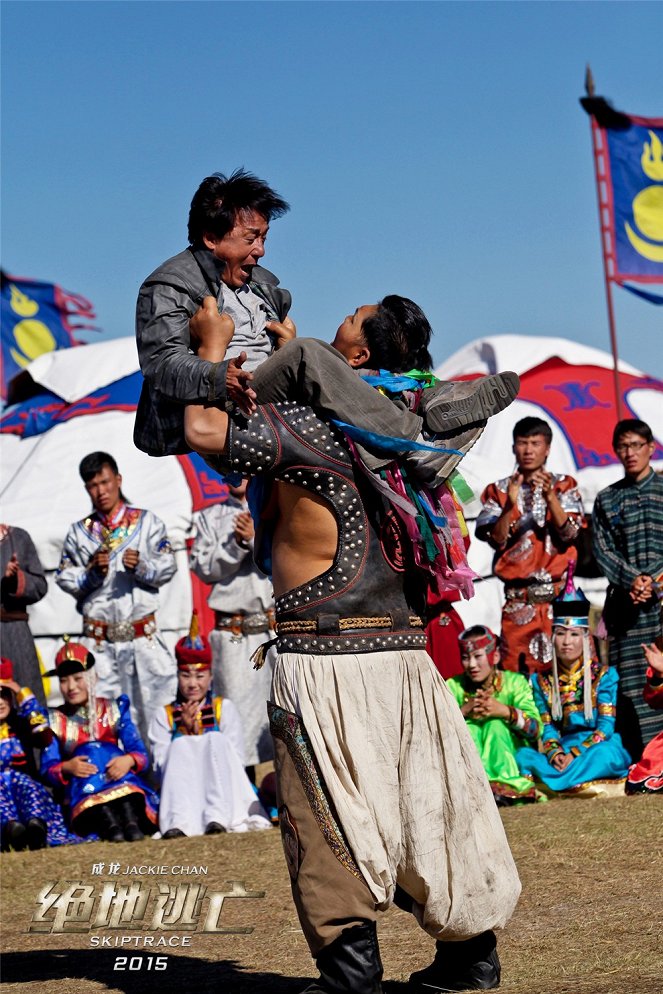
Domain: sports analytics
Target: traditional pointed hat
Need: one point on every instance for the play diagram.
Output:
(194, 649)
(571, 610)
(72, 657)
(6, 676)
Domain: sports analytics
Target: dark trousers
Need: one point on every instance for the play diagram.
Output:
(315, 374)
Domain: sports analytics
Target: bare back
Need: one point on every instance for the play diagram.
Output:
(305, 536)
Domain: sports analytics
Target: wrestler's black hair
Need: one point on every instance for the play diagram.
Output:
(634, 425)
(219, 199)
(93, 463)
(398, 336)
(532, 426)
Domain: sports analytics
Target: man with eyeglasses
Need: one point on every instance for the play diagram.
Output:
(628, 545)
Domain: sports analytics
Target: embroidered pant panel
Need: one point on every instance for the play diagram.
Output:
(330, 894)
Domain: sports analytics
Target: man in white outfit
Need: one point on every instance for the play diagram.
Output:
(113, 562)
(243, 602)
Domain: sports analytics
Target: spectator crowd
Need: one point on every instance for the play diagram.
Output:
(145, 742)
(390, 761)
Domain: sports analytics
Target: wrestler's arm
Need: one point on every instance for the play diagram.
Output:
(206, 426)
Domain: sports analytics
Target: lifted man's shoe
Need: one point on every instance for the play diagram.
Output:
(452, 405)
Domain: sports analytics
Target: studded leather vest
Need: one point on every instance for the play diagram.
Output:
(372, 596)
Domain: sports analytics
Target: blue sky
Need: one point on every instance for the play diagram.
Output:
(436, 150)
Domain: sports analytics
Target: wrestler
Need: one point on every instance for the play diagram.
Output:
(358, 711)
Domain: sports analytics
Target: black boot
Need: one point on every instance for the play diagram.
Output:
(129, 818)
(214, 828)
(14, 836)
(107, 824)
(174, 833)
(351, 964)
(472, 965)
(36, 831)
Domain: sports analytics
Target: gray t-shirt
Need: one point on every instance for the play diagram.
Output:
(249, 314)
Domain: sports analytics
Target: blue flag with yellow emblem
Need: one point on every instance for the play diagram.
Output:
(634, 179)
(37, 317)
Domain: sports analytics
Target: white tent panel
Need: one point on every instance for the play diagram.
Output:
(74, 373)
(520, 353)
(43, 493)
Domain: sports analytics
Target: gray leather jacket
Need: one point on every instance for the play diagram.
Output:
(173, 375)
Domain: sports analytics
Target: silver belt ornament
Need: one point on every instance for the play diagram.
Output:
(536, 593)
(251, 624)
(119, 631)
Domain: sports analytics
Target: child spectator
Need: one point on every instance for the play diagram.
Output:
(500, 713)
(96, 754)
(646, 777)
(577, 702)
(198, 747)
(30, 818)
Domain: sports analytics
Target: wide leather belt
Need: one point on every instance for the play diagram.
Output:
(241, 624)
(6, 615)
(534, 593)
(328, 634)
(119, 631)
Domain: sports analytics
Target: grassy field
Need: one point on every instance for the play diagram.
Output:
(589, 920)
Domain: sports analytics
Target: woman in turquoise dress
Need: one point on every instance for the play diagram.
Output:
(582, 754)
(500, 713)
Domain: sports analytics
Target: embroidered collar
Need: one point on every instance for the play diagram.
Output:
(492, 682)
(112, 521)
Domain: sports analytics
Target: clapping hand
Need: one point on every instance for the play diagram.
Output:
(513, 489)
(486, 706)
(244, 530)
(100, 561)
(189, 711)
(130, 559)
(641, 589)
(654, 658)
(561, 760)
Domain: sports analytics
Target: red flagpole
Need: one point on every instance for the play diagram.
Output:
(600, 153)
